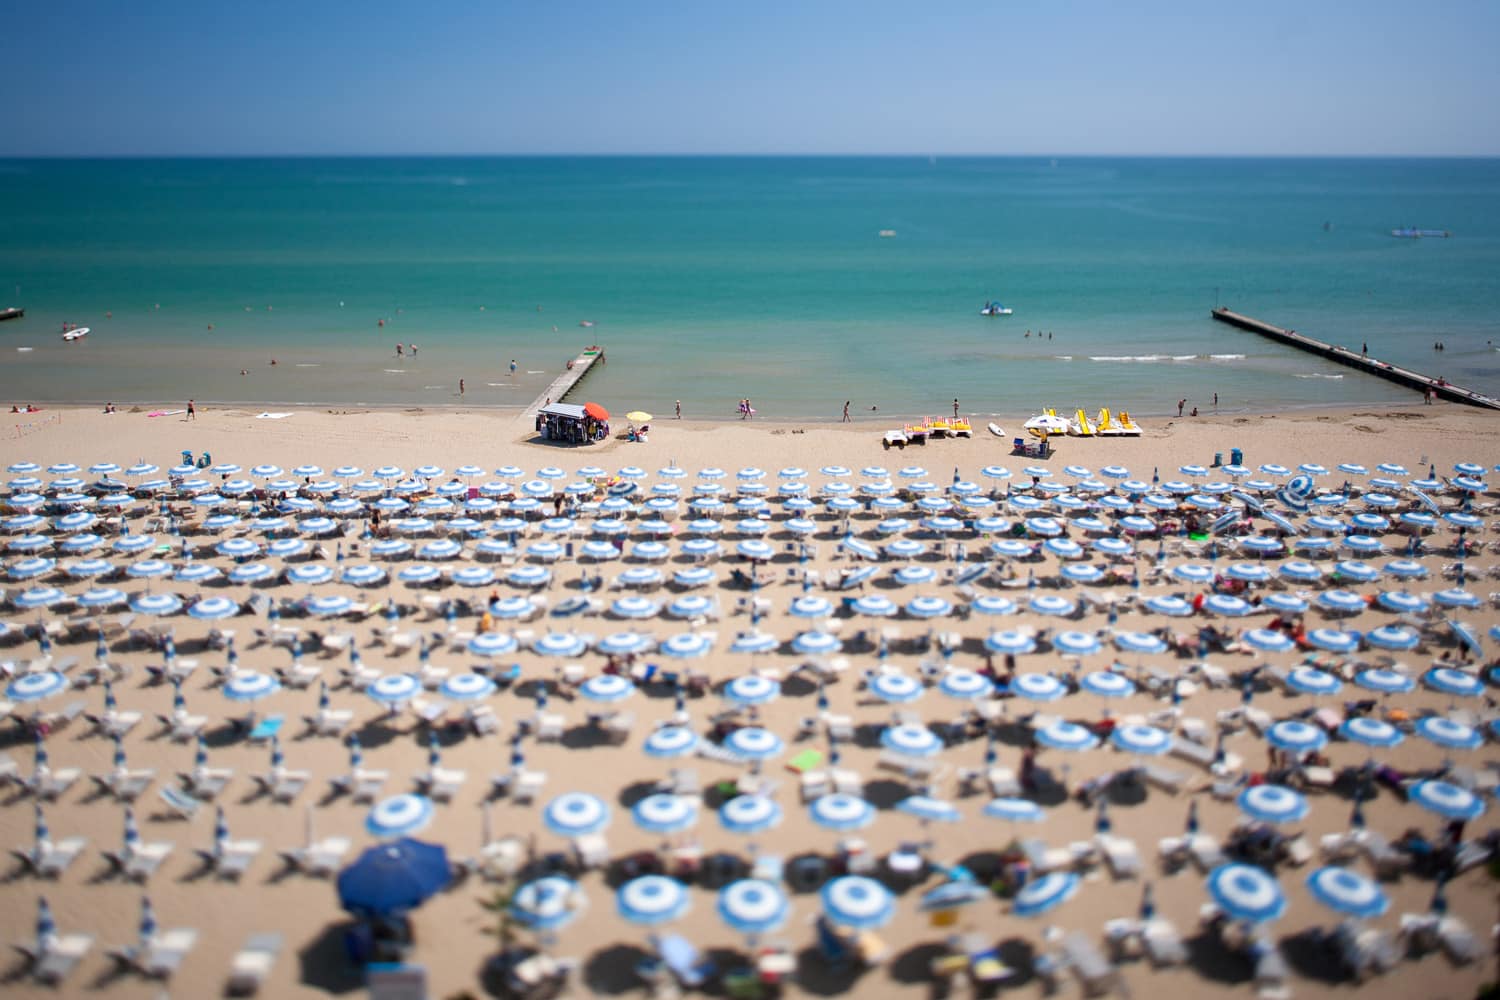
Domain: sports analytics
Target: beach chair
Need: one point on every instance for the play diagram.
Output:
(161, 955)
(283, 784)
(681, 781)
(317, 858)
(179, 803)
(49, 859)
(1271, 971)
(53, 958)
(1120, 855)
(329, 721)
(525, 786)
(1096, 976)
(51, 783)
(1162, 943)
(814, 785)
(114, 722)
(125, 784)
(441, 783)
(228, 859)
(252, 964)
(265, 728)
(591, 852)
(549, 727)
(483, 720)
(139, 861)
(183, 727)
(206, 782)
(300, 676)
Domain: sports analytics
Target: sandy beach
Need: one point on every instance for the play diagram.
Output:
(454, 933)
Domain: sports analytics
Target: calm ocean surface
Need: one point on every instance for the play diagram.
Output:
(711, 279)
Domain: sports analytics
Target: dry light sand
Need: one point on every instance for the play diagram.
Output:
(452, 928)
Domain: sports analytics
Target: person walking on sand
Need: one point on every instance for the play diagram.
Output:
(846, 412)
(192, 413)
(679, 409)
(400, 351)
(460, 387)
(1180, 404)
(512, 367)
(955, 409)
(1216, 402)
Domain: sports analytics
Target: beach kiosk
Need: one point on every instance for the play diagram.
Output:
(572, 423)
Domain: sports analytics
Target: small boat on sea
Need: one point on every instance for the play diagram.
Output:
(1412, 233)
(13, 312)
(887, 234)
(77, 333)
(995, 309)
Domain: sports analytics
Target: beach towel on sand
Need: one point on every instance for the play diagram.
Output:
(271, 416)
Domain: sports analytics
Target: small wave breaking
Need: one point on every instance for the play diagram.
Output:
(1315, 375)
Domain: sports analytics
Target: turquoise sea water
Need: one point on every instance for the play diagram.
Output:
(712, 279)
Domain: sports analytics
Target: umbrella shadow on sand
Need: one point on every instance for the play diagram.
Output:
(611, 971)
(817, 975)
(1311, 955)
(324, 962)
(1213, 961)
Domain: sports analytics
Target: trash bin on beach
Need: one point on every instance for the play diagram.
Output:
(1236, 457)
(1218, 459)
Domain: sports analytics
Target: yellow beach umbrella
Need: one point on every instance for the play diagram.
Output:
(638, 416)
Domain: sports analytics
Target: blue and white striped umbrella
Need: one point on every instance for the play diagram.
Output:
(1107, 684)
(1063, 735)
(395, 688)
(1456, 597)
(874, 606)
(1052, 604)
(1371, 732)
(1453, 682)
(1073, 643)
(399, 816)
(635, 608)
(1295, 735)
(101, 597)
(1013, 641)
(528, 576)
(198, 573)
(754, 642)
(1334, 640)
(156, 604)
(652, 899)
(1145, 643)
(559, 644)
(910, 576)
(250, 685)
(671, 741)
(927, 607)
(1307, 680)
(492, 644)
(1449, 733)
(965, 685)
(1393, 638)
(1447, 800)
(1299, 571)
(1043, 894)
(36, 686)
(895, 688)
(752, 689)
(213, 609)
(1014, 810)
(687, 646)
(665, 814)
(1170, 605)
(1248, 572)
(1273, 804)
(623, 644)
(754, 743)
(576, 814)
(1227, 605)
(547, 904)
(1347, 892)
(251, 573)
(1268, 640)
(328, 605)
(1401, 602)
(1195, 573)
(26, 569)
(1384, 681)
(817, 643)
(607, 688)
(467, 687)
(750, 814)
(696, 576)
(1141, 740)
(38, 597)
(1037, 687)
(753, 907)
(237, 548)
(858, 902)
(86, 568)
(1245, 892)
(473, 576)
(1343, 601)
(929, 810)
(911, 739)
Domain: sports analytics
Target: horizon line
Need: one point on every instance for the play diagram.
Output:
(742, 155)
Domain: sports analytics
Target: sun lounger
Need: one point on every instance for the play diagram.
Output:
(526, 787)
(1271, 971)
(1162, 944)
(161, 955)
(252, 964)
(591, 852)
(1120, 855)
(114, 722)
(329, 721)
(284, 785)
(206, 782)
(51, 859)
(549, 727)
(178, 802)
(54, 959)
(681, 781)
(1194, 753)
(228, 859)
(265, 728)
(362, 786)
(1096, 976)
(440, 783)
(49, 784)
(483, 720)
(319, 859)
(138, 862)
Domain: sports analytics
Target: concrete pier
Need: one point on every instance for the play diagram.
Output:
(1353, 359)
(565, 383)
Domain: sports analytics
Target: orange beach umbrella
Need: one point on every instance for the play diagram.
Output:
(596, 411)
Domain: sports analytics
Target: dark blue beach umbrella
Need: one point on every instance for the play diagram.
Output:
(393, 878)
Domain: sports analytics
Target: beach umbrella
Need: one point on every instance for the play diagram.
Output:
(665, 814)
(1296, 736)
(671, 741)
(754, 642)
(1371, 732)
(36, 686)
(1392, 638)
(250, 686)
(548, 903)
(1448, 733)
(1333, 640)
(1167, 604)
(1010, 641)
(156, 604)
(1343, 601)
(1456, 597)
(753, 907)
(394, 878)
(467, 687)
(752, 690)
(1384, 681)
(1347, 892)
(1453, 682)
(1063, 735)
(1037, 687)
(559, 644)
(1014, 810)
(1307, 680)
(652, 900)
(399, 816)
(576, 814)
(1227, 606)
(101, 597)
(858, 902)
(1244, 892)
(607, 688)
(488, 644)
(1107, 684)
(623, 644)
(840, 812)
(1052, 605)
(1072, 643)
(686, 646)
(929, 810)
(1446, 800)
(1273, 804)
(754, 743)
(965, 685)
(1268, 641)
(1401, 602)
(213, 609)
(1141, 740)
(895, 688)
(1043, 894)
(394, 689)
(749, 814)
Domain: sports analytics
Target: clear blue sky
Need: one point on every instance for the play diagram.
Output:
(1265, 77)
